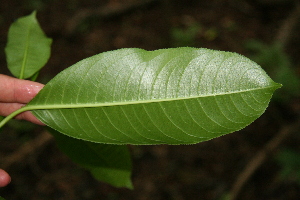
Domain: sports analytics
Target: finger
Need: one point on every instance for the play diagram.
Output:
(8, 108)
(4, 178)
(28, 116)
(16, 90)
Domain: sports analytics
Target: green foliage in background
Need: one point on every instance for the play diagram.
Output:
(107, 163)
(289, 161)
(28, 48)
(183, 37)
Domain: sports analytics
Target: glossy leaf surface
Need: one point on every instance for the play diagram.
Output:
(107, 163)
(168, 96)
(28, 48)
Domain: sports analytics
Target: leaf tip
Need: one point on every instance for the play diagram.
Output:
(278, 85)
(129, 185)
(33, 13)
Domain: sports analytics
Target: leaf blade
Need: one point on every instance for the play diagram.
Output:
(107, 163)
(131, 96)
(28, 48)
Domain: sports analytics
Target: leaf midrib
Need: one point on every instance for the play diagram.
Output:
(108, 104)
(24, 62)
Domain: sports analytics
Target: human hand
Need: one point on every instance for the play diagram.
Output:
(15, 93)
(4, 178)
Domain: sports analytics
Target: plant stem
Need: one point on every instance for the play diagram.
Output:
(12, 115)
(34, 77)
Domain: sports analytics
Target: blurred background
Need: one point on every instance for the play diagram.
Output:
(261, 161)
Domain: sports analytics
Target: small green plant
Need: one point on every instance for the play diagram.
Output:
(133, 96)
(183, 37)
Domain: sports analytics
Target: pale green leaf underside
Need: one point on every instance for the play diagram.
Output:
(28, 48)
(168, 96)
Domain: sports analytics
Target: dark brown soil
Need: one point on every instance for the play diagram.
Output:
(205, 171)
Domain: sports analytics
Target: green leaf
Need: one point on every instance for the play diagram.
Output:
(168, 96)
(108, 163)
(1, 198)
(28, 48)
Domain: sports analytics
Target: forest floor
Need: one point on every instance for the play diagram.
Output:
(207, 171)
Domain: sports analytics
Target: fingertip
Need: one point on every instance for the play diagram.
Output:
(15, 90)
(4, 178)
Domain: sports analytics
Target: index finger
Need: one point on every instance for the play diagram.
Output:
(13, 90)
